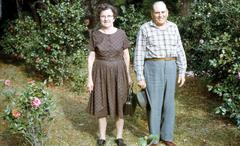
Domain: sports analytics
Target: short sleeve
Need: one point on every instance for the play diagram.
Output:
(91, 44)
(126, 43)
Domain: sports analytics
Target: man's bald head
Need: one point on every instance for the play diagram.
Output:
(159, 4)
(159, 13)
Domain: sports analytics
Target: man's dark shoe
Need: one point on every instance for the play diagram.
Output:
(169, 143)
(100, 142)
(120, 142)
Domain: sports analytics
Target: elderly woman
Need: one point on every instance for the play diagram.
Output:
(108, 73)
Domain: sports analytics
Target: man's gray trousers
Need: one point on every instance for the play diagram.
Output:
(160, 76)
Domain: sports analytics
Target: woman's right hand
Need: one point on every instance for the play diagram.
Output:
(91, 59)
(90, 86)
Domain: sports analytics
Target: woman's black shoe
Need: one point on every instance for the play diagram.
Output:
(120, 142)
(100, 142)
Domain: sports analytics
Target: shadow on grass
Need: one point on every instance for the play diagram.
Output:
(7, 139)
(75, 110)
(195, 95)
(196, 122)
(137, 123)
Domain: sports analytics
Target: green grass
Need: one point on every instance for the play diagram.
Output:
(196, 123)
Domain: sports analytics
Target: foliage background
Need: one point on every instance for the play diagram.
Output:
(52, 46)
(211, 38)
(55, 47)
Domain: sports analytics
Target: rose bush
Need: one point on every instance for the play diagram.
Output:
(28, 113)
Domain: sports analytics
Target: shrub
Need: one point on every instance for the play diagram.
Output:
(206, 22)
(226, 75)
(147, 140)
(79, 81)
(79, 72)
(28, 113)
(229, 90)
(48, 47)
(130, 21)
(211, 39)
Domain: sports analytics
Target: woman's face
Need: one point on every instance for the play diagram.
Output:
(107, 18)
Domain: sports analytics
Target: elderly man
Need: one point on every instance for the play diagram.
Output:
(159, 57)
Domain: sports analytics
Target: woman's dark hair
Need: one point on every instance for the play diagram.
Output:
(105, 6)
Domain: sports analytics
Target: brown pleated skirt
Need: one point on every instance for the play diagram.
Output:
(110, 88)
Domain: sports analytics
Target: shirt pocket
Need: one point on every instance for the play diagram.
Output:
(171, 40)
(154, 41)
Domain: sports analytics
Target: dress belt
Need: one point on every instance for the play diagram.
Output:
(109, 58)
(155, 59)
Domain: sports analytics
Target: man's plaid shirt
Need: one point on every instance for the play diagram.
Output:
(155, 42)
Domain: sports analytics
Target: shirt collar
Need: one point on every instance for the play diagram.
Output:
(154, 25)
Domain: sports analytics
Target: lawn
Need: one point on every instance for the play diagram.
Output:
(196, 123)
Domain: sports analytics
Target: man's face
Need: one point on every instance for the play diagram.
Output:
(159, 14)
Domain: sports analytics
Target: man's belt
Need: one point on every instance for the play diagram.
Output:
(155, 59)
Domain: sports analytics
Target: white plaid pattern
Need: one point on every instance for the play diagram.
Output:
(153, 42)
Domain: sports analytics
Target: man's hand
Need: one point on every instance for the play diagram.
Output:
(142, 84)
(181, 80)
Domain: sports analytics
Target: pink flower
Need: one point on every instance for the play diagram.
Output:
(15, 113)
(7, 83)
(36, 102)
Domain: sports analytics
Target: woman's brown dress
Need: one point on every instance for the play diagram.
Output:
(109, 74)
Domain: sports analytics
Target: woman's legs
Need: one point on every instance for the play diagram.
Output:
(102, 127)
(119, 126)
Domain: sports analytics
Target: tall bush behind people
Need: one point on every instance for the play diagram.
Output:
(130, 20)
(48, 47)
(211, 38)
